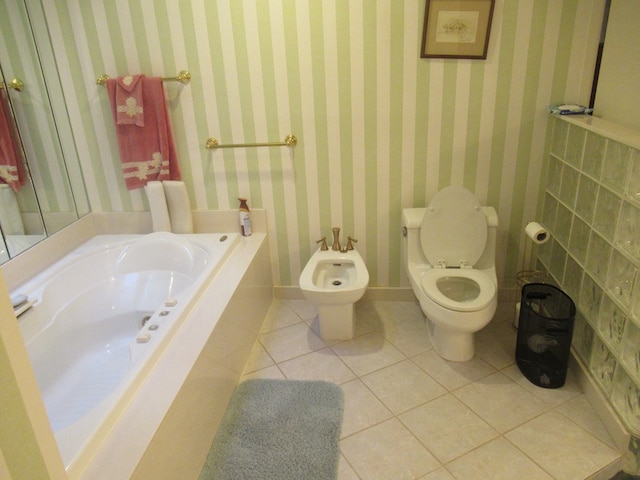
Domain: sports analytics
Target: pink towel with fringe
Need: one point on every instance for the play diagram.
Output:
(11, 171)
(147, 153)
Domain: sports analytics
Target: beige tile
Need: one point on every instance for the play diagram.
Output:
(561, 447)
(258, 359)
(361, 408)
(345, 471)
(403, 386)
(439, 474)
(304, 309)
(272, 373)
(496, 344)
(408, 335)
(452, 375)
(500, 401)
(580, 411)
(447, 427)
(367, 353)
(367, 318)
(387, 451)
(279, 315)
(551, 396)
(319, 365)
(289, 342)
(496, 460)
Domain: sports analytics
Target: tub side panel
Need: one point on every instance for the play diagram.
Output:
(180, 446)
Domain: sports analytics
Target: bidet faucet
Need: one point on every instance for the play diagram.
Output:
(349, 242)
(323, 241)
(336, 239)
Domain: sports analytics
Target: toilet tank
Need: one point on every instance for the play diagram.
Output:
(412, 249)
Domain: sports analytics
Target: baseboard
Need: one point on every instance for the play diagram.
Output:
(376, 294)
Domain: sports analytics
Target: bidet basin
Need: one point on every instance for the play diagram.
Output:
(334, 275)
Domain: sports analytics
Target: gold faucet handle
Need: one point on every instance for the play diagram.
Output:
(324, 246)
(349, 242)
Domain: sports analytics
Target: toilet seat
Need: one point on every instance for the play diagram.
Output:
(430, 286)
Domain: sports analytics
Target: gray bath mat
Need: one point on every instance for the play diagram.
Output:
(278, 430)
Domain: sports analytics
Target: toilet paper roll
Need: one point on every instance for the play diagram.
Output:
(536, 232)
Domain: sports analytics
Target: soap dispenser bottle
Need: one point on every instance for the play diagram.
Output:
(245, 217)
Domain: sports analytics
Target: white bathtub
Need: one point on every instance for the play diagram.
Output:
(102, 317)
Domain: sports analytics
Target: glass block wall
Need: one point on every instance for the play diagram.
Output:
(592, 210)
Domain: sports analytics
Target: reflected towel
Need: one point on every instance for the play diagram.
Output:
(129, 102)
(11, 171)
(10, 217)
(147, 153)
(179, 206)
(158, 205)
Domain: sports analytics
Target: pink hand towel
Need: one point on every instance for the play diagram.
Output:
(130, 106)
(147, 153)
(11, 171)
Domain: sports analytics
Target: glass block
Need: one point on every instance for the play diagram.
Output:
(586, 201)
(616, 166)
(575, 145)
(602, 364)
(607, 211)
(633, 186)
(611, 323)
(631, 350)
(569, 186)
(557, 261)
(579, 241)
(583, 336)
(544, 252)
(625, 396)
(554, 175)
(594, 154)
(598, 257)
(549, 211)
(620, 278)
(628, 231)
(559, 138)
(634, 311)
(572, 278)
(562, 228)
(590, 299)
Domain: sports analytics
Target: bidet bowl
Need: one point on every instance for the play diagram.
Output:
(334, 277)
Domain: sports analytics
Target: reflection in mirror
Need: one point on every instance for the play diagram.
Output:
(57, 196)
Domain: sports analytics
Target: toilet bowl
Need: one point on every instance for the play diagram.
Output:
(449, 259)
(333, 281)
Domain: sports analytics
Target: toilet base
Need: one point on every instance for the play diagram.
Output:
(451, 345)
(336, 321)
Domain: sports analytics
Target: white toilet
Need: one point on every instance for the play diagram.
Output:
(448, 254)
(333, 281)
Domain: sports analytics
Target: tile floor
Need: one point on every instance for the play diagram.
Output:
(409, 414)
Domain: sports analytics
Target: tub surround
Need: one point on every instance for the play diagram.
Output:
(200, 367)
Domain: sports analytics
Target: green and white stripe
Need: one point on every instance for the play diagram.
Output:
(378, 127)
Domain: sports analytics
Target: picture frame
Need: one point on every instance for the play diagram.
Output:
(456, 28)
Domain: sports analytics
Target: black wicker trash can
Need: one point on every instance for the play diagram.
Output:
(545, 328)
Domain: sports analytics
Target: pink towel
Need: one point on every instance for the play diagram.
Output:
(147, 153)
(11, 171)
(130, 106)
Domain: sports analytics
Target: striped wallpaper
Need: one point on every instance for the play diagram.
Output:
(378, 127)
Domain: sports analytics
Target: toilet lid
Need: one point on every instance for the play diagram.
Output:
(454, 228)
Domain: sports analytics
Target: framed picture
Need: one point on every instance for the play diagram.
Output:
(456, 28)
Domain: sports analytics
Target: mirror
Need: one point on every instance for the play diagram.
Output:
(52, 195)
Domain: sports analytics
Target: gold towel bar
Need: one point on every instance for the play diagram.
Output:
(183, 77)
(289, 141)
(15, 84)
